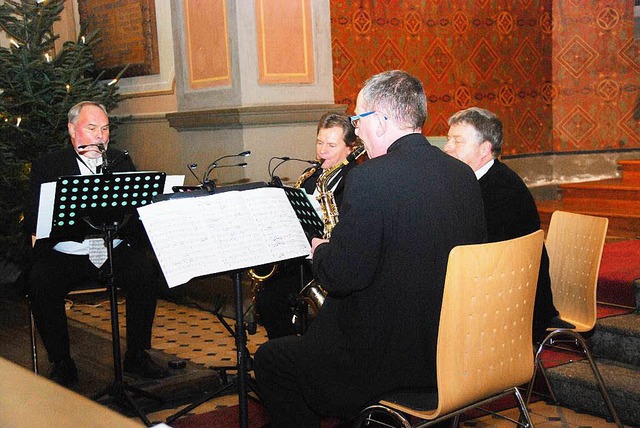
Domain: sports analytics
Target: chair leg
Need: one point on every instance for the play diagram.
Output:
(524, 412)
(34, 343)
(545, 376)
(366, 417)
(599, 380)
(537, 364)
(580, 342)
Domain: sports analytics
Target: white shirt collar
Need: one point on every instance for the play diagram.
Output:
(484, 168)
(88, 165)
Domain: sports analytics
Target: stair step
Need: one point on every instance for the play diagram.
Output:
(622, 225)
(618, 338)
(615, 195)
(630, 170)
(575, 387)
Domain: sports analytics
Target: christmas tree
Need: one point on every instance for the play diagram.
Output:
(37, 87)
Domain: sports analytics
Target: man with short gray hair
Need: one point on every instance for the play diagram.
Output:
(475, 137)
(383, 268)
(62, 263)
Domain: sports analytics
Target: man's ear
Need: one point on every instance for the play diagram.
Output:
(486, 148)
(71, 128)
(381, 125)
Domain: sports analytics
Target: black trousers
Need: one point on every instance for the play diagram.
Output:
(276, 300)
(53, 275)
(275, 370)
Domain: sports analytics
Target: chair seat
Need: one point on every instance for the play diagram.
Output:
(578, 327)
(418, 399)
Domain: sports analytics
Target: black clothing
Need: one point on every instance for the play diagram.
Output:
(511, 212)
(384, 270)
(309, 185)
(275, 301)
(53, 274)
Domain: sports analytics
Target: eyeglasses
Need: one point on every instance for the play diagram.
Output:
(355, 120)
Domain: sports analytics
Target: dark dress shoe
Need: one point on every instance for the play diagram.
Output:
(64, 372)
(140, 363)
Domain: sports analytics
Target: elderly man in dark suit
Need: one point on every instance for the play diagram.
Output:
(60, 264)
(383, 268)
(475, 137)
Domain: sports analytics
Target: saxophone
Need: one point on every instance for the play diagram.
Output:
(257, 280)
(313, 292)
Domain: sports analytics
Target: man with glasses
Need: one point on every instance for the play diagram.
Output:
(383, 268)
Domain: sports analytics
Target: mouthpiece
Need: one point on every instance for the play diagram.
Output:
(356, 153)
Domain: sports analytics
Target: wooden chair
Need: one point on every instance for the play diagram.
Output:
(484, 338)
(574, 243)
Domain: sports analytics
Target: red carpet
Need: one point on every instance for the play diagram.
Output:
(620, 266)
(223, 418)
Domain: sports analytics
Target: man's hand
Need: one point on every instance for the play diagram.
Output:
(315, 242)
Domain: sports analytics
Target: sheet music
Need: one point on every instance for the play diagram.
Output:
(222, 232)
(45, 209)
(48, 195)
(170, 181)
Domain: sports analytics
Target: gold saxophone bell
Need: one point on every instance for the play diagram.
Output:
(258, 280)
(314, 295)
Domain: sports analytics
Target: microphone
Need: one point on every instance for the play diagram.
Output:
(275, 180)
(107, 167)
(191, 167)
(242, 164)
(210, 185)
(103, 151)
(100, 146)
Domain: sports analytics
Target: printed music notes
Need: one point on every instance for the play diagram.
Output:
(222, 232)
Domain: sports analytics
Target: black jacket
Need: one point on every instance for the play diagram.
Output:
(511, 212)
(384, 270)
(48, 168)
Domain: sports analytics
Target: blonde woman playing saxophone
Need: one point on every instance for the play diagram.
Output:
(335, 140)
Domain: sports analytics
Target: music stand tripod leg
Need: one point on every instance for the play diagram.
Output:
(240, 382)
(119, 389)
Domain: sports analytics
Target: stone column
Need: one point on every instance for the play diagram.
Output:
(251, 75)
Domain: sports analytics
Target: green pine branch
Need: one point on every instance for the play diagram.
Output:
(38, 86)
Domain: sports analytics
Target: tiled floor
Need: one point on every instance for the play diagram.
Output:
(198, 336)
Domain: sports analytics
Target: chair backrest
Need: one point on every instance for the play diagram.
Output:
(574, 244)
(485, 334)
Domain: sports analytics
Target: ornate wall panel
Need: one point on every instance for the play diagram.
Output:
(285, 41)
(596, 71)
(207, 43)
(504, 55)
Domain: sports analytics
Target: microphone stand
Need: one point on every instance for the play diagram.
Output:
(275, 180)
(210, 185)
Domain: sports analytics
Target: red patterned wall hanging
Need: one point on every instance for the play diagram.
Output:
(562, 77)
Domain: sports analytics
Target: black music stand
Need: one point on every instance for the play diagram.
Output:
(105, 203)
(313, 227)
(243, 381)
(311, 223)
